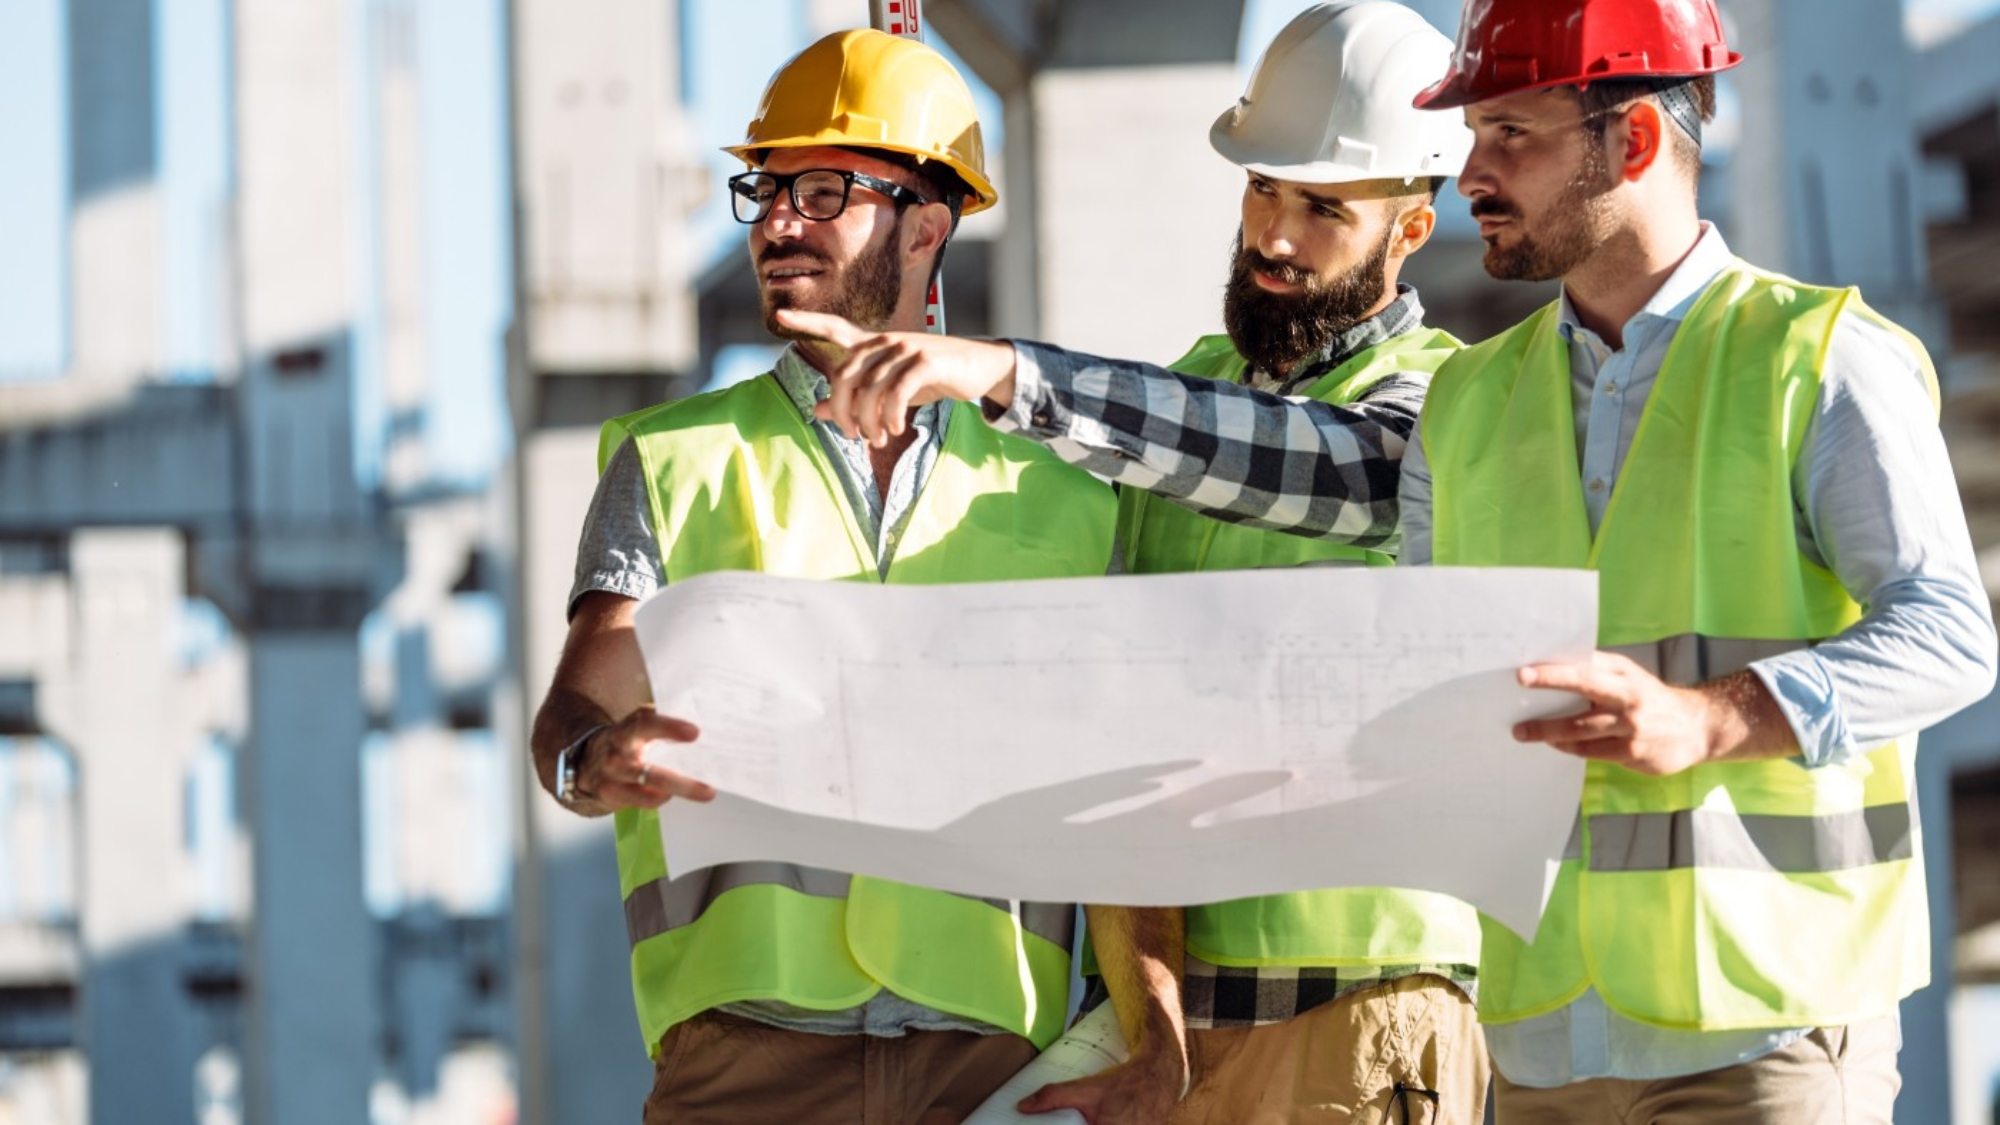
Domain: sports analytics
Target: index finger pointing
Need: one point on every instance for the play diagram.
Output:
(827, 326)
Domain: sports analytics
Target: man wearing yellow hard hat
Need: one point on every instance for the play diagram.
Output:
(771, 992)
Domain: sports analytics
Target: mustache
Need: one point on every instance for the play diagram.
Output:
(1289, 274)
(1494, 206)
(792, 250)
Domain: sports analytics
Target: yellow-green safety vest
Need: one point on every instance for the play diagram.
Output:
(1161, 537)
(1734, 894)
(1347, 927)
(737, 480)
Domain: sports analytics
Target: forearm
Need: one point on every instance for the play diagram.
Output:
(1140, 951)
(1744, 722)
(1236, 454)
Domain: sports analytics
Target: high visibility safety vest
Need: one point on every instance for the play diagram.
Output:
(1348, 927)
(1734, 894)
(1161, 537)
(738, 481)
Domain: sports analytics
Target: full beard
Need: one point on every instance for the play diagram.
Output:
(865, 292)
(1277, 331)
(1573, 227)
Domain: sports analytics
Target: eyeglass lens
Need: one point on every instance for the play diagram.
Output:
(819, 194)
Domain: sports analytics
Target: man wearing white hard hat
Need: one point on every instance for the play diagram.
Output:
(1274, 445)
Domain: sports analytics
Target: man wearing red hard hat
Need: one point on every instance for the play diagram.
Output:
(1787, 594)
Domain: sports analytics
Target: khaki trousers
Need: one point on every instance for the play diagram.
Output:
(1834, 1076)
(1342, 1062)
(717, 1069)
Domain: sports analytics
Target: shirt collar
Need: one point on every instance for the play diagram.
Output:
(802, 382)
(807, 388)
(1404, 314)
(1677, 295)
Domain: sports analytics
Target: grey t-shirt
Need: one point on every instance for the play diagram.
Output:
(619, 553)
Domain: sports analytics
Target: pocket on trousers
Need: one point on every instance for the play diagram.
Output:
(673, 1048)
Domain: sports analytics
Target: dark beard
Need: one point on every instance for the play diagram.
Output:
(866, 295)
(1572, 229)
(1276, 331)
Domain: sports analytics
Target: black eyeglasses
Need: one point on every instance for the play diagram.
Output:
(817, 193)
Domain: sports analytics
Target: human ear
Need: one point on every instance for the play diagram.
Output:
(1644, 138)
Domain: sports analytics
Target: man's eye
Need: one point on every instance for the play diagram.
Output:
(1512, 131)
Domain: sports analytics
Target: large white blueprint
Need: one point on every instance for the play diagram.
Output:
(1152, 740)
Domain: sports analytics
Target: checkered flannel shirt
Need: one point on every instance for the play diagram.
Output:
(1241, 454)
(1227, 996)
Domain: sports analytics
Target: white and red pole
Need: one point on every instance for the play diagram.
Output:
(906, 18)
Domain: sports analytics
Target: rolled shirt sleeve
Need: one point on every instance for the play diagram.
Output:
(617, 551)
(1882, 511)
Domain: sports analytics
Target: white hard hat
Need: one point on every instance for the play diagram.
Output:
(1331, 100)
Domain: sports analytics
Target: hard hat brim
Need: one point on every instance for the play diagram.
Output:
(1223, 139)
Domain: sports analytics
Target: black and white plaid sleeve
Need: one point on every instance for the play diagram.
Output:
(1239, 455)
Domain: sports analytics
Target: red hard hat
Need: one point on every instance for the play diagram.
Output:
(1505, 46)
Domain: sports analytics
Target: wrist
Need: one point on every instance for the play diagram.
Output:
(1001, 393)
(572, 787)
(1165, 1060)
(1740, 719)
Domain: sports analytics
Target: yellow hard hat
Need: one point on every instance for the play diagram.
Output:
(870, 89)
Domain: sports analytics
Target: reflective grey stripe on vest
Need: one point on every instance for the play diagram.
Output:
(1742, 842)
(666, 904)
(1789, 845)
(1692, 658)
(1573, 847)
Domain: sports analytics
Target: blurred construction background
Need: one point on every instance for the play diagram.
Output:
(308, 312)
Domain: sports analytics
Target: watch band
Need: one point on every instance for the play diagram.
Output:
(569, 763)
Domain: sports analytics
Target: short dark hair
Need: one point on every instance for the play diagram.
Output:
(1599, 98)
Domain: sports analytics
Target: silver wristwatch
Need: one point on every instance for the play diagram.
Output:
(569, 768)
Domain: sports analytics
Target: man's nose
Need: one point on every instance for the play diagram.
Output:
(783, 223)
(1274, 240)
(1476, 180)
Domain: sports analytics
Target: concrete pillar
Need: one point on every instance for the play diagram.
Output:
(115, 212)
(581, 1055)
(312, 563)
(1931, 1090)
(1119, 214)
(605, 183)
(398, 116)
(312, 985)
(604, 180)
(1824, 179)
(120, 708)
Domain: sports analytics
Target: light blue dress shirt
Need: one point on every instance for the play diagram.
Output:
(1877, 505)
